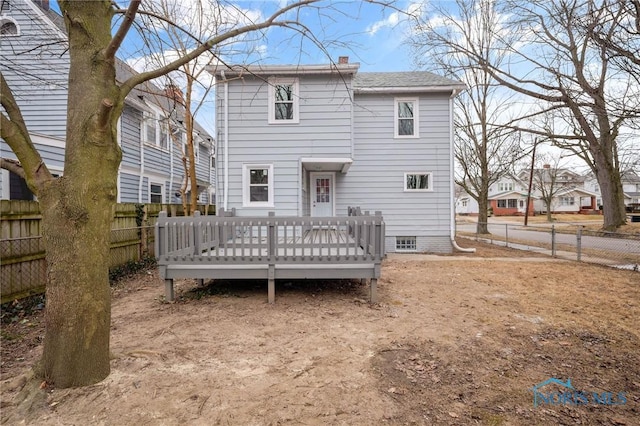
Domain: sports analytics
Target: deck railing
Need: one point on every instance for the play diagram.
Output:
(357, 238)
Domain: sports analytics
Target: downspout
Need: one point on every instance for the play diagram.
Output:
(226, 142)
(141, 162)
(171, 156)
(452, 180)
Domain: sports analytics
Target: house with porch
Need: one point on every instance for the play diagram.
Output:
(312, 140)
(35, 63)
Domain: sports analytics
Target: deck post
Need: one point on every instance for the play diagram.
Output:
(373, 296)
(168, 290)
(271, 284)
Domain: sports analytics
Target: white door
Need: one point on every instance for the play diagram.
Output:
(321, 194)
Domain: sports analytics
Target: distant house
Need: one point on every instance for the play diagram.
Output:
(312, 140)
(35, 63)
(508, 196)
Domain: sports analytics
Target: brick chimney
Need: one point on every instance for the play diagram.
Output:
(546, 166)
(343, 59)
(174, 93)
(43, 4)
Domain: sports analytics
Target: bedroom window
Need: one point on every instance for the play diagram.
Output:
(406, 118)
(417, 182)
(257, 185)
(283, 101)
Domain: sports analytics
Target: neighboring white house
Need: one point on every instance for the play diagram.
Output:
(315, 139)
(34, 61)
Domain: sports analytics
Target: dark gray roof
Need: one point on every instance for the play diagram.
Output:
(402, 79)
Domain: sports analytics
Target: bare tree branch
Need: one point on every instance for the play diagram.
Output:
(118, 38)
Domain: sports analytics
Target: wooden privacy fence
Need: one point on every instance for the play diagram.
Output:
(270, 248)
(22, 255)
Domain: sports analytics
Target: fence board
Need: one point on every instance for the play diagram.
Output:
(22, 255)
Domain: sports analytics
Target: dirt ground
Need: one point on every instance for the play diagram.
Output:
(454, 340)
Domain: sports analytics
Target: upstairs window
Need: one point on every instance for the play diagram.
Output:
(417, 182)
(406, 118)
(154, 130)
(8, 27)
(505, 186)
(283, 101)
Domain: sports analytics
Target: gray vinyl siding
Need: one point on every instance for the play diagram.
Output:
(129, 188)
(130, 136)
(324, 130)
(375, 181)
(35, 65)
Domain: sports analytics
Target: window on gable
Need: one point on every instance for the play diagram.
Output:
(406, 118)
(417, 182)
(283, 101)
(8, 27)
(505, 186)
(258, 185)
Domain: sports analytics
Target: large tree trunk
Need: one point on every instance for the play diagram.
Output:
(612, 197)
(609, 179)
(77, 211)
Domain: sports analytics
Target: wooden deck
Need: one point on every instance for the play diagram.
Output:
(270, 248)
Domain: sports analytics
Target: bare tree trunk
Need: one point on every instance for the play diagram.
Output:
(612, 195)
(483, 210)
(77, 211)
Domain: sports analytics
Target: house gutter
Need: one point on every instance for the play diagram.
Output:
(226, 142)
(455, 245)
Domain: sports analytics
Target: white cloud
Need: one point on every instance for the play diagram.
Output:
(397, 17)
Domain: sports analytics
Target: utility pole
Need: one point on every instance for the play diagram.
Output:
(533, 162)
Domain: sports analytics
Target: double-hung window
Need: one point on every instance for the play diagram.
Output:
(155, 130)
(417, 182)
(406, 118)
(156, 191)
(284, 101)
(257, 187)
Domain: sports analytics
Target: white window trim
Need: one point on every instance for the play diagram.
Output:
(4, 19)
(246, 202)
(416, 118)
(430, 177)
(407, 250)
(156, 115)
(161, 185)
(272, 82)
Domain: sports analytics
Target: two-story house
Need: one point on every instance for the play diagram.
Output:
(312, 140)
(35, 63)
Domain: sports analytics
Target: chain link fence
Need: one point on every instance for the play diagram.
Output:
(24, 270)
(574, 242)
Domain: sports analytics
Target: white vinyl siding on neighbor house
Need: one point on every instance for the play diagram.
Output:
(417, 182)
(406, 118)
(284, 101)
(257, 185)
